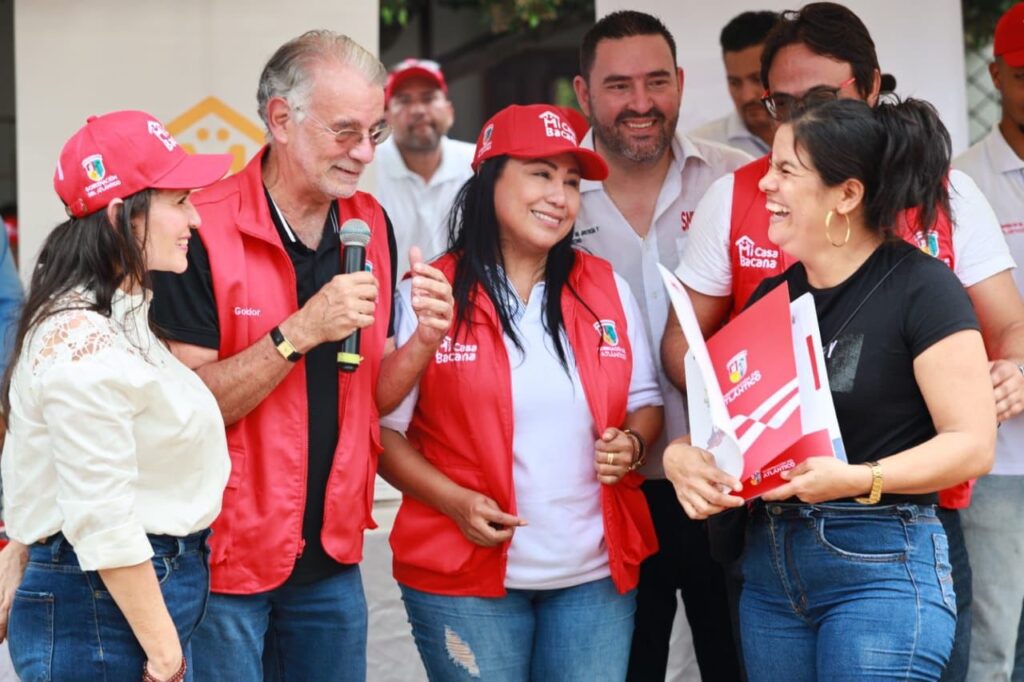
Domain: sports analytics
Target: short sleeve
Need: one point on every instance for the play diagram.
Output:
(705, 265)
(644, 390)
(936, 305)
(183, 306)
(88, 406)
(405, 327)
(979, 248)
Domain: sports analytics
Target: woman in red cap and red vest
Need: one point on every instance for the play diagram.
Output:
(522, 526)
(115, 459)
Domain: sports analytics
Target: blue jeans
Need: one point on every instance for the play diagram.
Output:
(64, 625)
(995, 539)
(846, 592)
(575, 633)
(294, 632)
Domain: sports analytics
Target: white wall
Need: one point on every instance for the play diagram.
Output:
(918, 41)
(75, 58)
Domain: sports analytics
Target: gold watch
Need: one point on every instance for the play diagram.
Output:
(876, 485)
(284, 346)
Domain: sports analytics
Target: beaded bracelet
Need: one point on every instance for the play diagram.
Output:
(176, 677)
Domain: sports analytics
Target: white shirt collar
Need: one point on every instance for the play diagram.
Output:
(1004, 159)
(395, 165)
(682, 149)
(735, 129)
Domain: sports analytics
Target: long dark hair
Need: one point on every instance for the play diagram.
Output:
(87, 252)
(473, 236)
(898, 150)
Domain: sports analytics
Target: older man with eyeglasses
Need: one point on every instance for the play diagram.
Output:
(820, 53)
(259, 316)
(420, 169)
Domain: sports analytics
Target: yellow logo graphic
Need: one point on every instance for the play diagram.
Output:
(212, 127)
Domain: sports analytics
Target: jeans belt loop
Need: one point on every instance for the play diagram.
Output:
(55, 548)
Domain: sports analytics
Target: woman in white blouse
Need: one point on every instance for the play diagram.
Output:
(115, 459)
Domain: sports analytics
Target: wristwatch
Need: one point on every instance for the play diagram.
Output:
(284, 346)
(876, 485)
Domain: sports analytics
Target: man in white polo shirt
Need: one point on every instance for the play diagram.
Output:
(748, 127)
(630, 89)
(419, 168)
(992, 524)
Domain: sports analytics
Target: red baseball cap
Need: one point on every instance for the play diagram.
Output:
(1009, 39)
(535, 131)
(414, 68)
(118, 154)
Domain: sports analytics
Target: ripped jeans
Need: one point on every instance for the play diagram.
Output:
(846, 592)
(580, 633)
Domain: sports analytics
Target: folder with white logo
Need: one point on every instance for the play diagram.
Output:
(757, 390)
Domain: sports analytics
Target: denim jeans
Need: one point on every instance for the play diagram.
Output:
(846, 592)
(995, 539)
(303, 633)
(65, 626)
(580, 633)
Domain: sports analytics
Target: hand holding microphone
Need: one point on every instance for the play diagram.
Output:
(343, 306)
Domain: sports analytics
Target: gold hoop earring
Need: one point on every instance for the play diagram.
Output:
(828, 227)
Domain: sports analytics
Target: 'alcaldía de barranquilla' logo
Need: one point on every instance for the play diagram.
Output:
(611, 345)
(93, 166)
(737, 366)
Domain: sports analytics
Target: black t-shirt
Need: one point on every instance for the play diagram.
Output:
(184, 308)
(871, 362)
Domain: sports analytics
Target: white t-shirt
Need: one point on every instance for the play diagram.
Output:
(999, 173)
(730, 131)
(556, 487)
(603, 231)
(110, 437)
(418, 209)
(978, 246)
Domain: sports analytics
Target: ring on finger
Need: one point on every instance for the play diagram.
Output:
(610, 459)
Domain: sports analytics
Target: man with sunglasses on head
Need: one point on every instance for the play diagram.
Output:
(419, 168)
(259, 316)
(820, 53)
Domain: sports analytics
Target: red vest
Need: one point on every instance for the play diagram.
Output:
(258, 534)
(754, 258)
(463, 424)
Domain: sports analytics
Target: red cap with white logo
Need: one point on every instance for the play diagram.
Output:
(535, 131)
(414, 68)
(1009, 39)
(118, 154)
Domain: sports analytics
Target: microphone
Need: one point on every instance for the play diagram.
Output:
(355, 235)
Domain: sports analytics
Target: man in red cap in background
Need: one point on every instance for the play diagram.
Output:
(992, 524)
(419, 168)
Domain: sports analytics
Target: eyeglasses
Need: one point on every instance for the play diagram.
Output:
(427, 99)
(782, 106)
(350, 137)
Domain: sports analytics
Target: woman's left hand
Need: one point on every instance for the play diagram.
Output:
(820, 479)
(613, 455)
(432, 300)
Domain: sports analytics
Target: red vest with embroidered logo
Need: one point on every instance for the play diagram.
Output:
(463, 424)
(258, 534)
(754, 258)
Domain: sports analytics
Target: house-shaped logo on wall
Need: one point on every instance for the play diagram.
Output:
(212, 127)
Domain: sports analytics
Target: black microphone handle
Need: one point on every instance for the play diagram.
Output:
(354, 260)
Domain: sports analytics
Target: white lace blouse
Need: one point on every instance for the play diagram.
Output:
(110, 437)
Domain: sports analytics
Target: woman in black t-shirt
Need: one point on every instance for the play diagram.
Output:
(846, 568)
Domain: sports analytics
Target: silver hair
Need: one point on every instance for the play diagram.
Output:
(288, 73)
